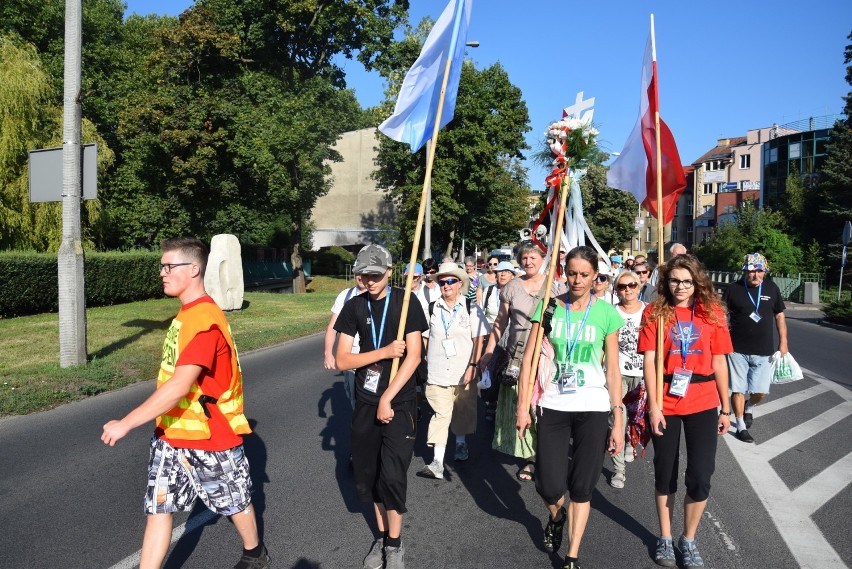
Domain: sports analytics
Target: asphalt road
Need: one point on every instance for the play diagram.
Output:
(66, 500)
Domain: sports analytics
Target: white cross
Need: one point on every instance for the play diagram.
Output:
(579, 106)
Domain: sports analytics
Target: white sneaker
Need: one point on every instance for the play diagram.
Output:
(433, 470)
(628, 453)
(618, 479)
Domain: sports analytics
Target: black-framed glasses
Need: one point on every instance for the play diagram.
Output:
(448, 282)
(602, 278)
(688, 283)
(624, 286)
(169, 266)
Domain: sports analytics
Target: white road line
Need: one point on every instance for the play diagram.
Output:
(803, 431)
(824, 486)
(191, 524)
(791, 511)
(783, 402)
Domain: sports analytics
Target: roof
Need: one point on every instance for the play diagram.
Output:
(721, 151)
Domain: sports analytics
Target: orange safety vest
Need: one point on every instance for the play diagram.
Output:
(187, 419)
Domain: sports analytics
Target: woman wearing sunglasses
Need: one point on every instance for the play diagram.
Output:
(518, 300)
(630, 362)
(602, 282)
(577, 396)
(695, 384)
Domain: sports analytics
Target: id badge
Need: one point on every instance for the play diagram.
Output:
(374, 373)
(567, 379)
(755, 316)
(449, 347)
(680, 382)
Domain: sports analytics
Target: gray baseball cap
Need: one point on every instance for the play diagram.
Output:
(372, 259)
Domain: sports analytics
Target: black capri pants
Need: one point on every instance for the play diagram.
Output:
(381, 453)
(563, 464)
(700, 433)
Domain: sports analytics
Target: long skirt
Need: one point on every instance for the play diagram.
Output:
(505, 433)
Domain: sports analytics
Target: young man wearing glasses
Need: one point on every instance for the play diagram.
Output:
(385, 415)
(197, 448)
(456, 330)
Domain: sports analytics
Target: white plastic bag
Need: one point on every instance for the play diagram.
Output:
(785, 369)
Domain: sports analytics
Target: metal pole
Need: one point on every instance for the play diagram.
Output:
(72, 295)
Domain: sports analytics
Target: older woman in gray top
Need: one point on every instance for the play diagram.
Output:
(518, 299)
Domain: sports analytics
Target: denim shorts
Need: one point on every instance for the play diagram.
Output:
(177, 476)
(749, 374)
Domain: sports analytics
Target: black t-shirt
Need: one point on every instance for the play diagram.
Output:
(750, 337)
(355, 319)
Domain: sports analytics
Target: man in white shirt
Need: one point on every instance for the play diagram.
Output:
(331, 335)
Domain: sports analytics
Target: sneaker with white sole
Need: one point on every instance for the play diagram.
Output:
(395, 557)
(628, 454)
(433, 470)
(618, 479)
(375, 559)
(462, 451)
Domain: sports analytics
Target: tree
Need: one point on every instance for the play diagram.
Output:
(754, 230)
(834, 191)
(34, 121)
(609, 212)
(479, 191)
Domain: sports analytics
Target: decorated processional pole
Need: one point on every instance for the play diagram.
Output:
(571, 142)
(661, 253)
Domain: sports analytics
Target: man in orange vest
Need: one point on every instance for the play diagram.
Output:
(197, 446)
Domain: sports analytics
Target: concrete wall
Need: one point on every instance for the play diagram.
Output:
(354, 211)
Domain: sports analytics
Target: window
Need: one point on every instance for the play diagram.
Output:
(689, 205)
(795, 150)
(689, 235)
(745, 161)
(708, 189)
(729, 209)
(674, 232)
(719, 186)
(648, 234)
(707, 208)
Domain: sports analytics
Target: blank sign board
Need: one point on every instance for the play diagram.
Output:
(46, 174)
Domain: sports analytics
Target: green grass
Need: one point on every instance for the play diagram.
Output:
(125, 341)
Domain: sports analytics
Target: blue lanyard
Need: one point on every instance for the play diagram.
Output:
(453, 317)
(759, 292)
(573, 344)
(684, 338)
(372, 322)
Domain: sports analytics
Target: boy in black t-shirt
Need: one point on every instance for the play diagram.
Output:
(384, 419)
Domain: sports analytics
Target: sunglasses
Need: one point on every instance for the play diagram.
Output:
(448, 282)
(493, 264)
(625, 286)
(641, 272)
(431, 272)
(602, 278)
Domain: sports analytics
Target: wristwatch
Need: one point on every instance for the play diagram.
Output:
(728, 414)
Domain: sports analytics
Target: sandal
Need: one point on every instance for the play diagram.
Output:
(526, 474)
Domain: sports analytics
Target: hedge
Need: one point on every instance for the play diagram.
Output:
(30, 285)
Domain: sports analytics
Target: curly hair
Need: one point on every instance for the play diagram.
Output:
(707, 299)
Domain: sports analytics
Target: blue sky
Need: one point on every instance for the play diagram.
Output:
(724, 67)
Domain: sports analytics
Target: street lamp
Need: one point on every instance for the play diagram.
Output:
(427, 233)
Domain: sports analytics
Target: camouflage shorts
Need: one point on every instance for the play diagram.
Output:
(177, 476)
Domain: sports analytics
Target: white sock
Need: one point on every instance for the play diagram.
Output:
(748, 406)
(741, 424)
(459, 439)
(439, 455)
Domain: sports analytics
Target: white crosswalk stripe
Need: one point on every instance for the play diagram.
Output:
(791, 510)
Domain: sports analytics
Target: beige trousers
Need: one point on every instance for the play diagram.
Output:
(454, 407)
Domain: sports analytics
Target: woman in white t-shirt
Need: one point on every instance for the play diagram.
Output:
(630, 309)
(577, 396)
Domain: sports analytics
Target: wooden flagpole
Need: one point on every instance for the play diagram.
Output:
(660, 253)
(551, 271)
(431, 145)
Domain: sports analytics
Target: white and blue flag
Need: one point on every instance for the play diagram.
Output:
(413, 119)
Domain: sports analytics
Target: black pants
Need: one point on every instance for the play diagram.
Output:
(381, 453)
(563, 464)
(699, 430)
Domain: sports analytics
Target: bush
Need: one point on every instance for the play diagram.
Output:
(30, 285)
(331, 261)
(839, 312)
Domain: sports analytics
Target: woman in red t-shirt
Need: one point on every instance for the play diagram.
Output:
(695, 373)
